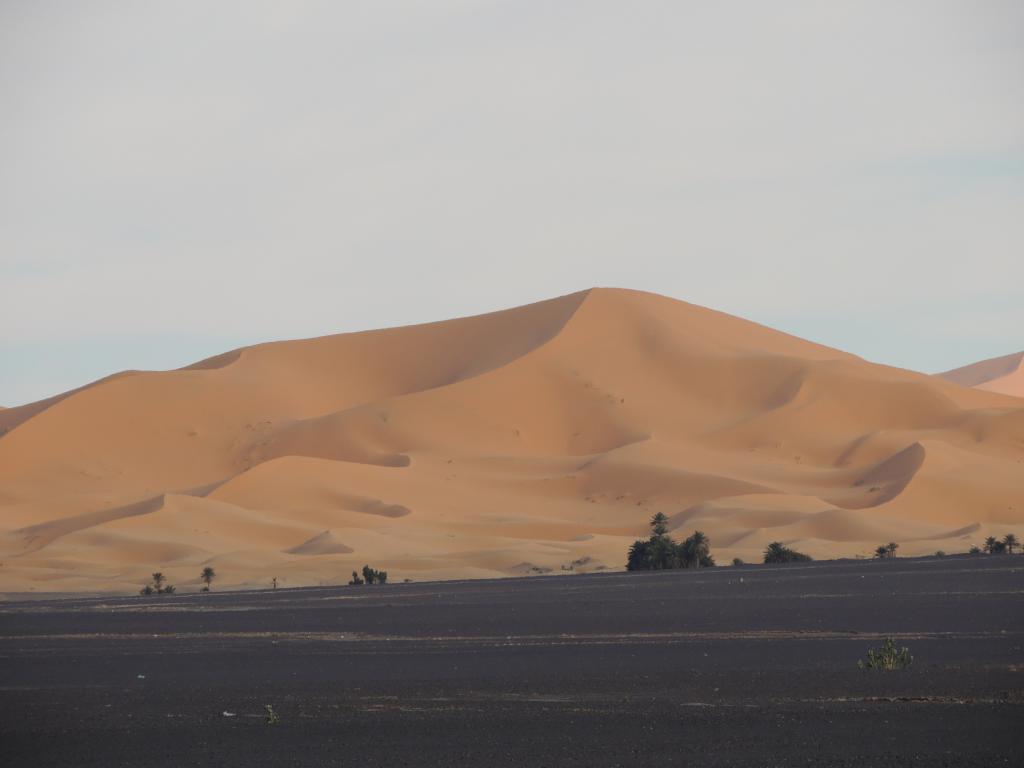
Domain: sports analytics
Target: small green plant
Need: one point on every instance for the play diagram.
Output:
(887, 657)
(270, 715)
(737, 561)
(940, 553)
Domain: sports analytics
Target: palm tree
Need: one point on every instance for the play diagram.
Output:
(659, 524)
(158, 581)
(663, 555)
(639, 556)
(891, 547)
(991, 544)
(774, 553)
(882, 552)
(207, 576)
(1010, 541)
(695, 551)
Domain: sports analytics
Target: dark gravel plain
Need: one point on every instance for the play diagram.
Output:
(750, 666)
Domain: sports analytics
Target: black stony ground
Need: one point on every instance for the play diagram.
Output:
(750, 666)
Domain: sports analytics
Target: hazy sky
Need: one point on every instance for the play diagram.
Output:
(179, 178)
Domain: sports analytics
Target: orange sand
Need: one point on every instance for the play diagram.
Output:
(537, 438)
(1000, 374)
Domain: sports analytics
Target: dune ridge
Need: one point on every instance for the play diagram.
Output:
(543, 435)
(1004, 375)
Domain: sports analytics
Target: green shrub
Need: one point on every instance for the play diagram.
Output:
(888, 657)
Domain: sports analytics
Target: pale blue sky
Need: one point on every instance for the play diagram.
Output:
(177, 179)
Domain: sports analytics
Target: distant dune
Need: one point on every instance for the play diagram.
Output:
(999, 374)
(541, 437)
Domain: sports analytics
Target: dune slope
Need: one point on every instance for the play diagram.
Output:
(1004, 375)
(538, 439)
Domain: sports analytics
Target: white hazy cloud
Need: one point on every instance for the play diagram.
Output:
(240, 171)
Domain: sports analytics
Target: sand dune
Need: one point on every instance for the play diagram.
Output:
(538, 439)
(998, 374)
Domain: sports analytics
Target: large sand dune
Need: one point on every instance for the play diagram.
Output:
(999, 374)
(532, 440)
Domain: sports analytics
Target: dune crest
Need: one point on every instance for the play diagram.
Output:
(1004, 375)
(521, 441)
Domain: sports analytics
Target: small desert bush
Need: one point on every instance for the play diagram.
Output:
(888, 657)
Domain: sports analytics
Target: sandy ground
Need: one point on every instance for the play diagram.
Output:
(538, 439)
(751, 666)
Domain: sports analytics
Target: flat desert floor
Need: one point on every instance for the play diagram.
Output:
(747, 666)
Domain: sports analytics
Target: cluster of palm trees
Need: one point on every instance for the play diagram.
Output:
(1005, 546)
(661, 552)
(993, 546)
(887, 551)
(776, 552)
(370, 576)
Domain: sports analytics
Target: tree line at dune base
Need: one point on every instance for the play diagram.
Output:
(659, 552)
